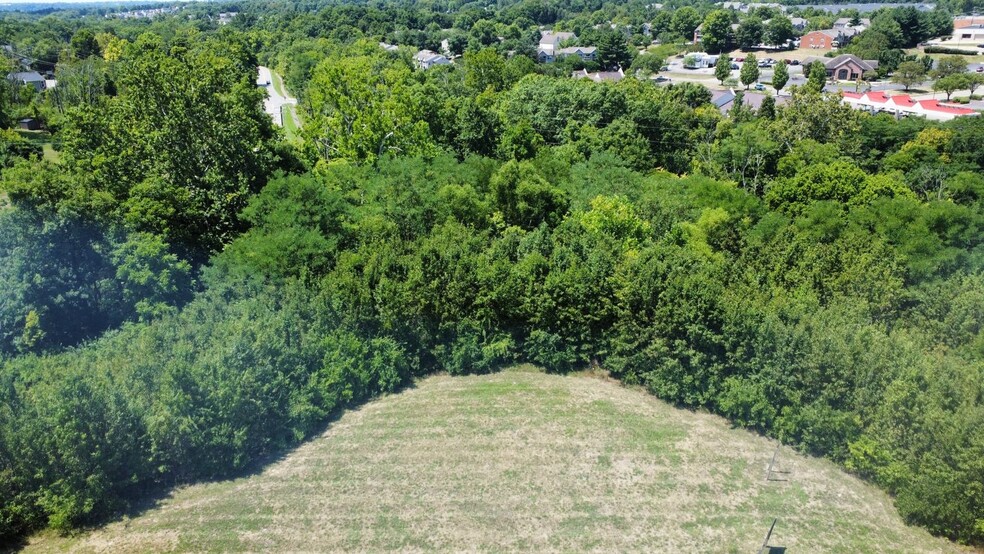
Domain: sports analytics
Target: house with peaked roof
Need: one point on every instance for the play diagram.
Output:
(586, 53)
(549, 47)
(427, 59)
(829, 39)
(599, 76)
(27, 78)
(724, 100)
(903, 104)
(846, 67)
(845, 23)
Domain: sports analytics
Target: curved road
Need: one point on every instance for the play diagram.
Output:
(274, 102)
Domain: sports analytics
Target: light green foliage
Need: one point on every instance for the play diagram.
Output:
(816, 77)
(616, 217)
(485, 70)
(362, 107)
(749, 71)
(839, 181)
(648, 62)
(909, 73)
(747, 156)
(822, 119)
(780, 76)
(952, 83)
(950, 65)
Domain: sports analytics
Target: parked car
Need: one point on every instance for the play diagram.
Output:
(735, 66)
(795, 62)
(739, 59)
(759, 86)
(980, 69)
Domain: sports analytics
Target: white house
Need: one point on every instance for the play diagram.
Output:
(699, 60)
(427, 59)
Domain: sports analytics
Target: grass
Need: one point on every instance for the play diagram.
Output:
(291, 126)
(521, 461)
(42, 139)
(278, 83)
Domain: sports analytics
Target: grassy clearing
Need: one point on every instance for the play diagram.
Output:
(292, 129)
(278, 83)
(521, 461)
(42, 139)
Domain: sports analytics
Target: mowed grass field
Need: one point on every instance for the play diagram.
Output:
(521, 461)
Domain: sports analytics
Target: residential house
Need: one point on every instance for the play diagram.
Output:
(799, 23)
(427, 59)
(24, 78)
(389, 47)
(586, 53)
(846, 67)
(599, 76)
(724, 100)
(828, 39)
(226, 18)
(845, 23)
(745, 8)
(904, 105)
(550, 42)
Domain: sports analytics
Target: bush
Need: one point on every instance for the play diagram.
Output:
(948, 50)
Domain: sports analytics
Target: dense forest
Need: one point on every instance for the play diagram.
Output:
(185, 290)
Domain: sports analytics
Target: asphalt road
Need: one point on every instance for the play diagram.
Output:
(274, 102)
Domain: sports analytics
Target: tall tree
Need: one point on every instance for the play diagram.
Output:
(182, 146)
(749, 71)
(722, 70)
(952, 83)
(778, 31)
(780, 76)
(362, 107)
(750, 32)
(613, 51)
(816, 77)
(716, 35)
(949, 65)
(685, 20)
(909, 73)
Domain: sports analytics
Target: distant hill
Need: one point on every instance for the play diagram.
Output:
(522, 461)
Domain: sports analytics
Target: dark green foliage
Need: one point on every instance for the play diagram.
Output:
(947, 50)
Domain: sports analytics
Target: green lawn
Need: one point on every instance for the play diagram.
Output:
(42, 139)
(291, 126)
(521, 461)
(278, 83)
